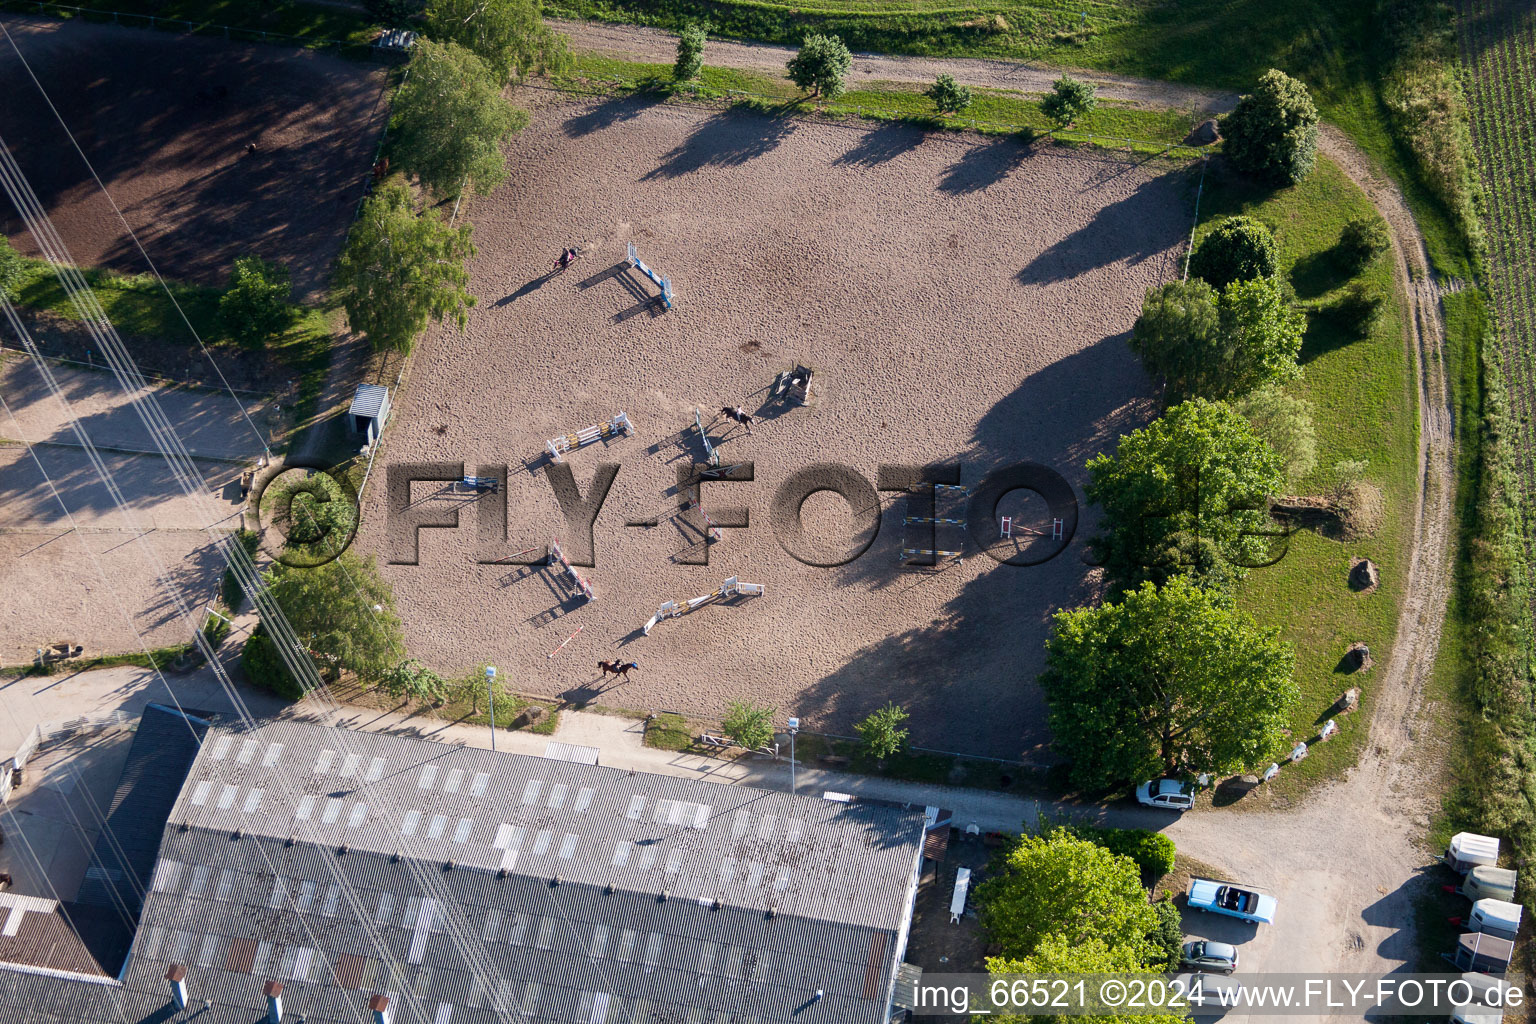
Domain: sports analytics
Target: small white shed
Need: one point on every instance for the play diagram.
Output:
(369, 411)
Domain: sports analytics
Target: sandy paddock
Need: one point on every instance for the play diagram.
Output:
(961, 300)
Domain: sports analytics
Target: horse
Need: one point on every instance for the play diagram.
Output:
(738, 414)
(618, 668)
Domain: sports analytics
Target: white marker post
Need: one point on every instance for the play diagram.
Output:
(490, 693)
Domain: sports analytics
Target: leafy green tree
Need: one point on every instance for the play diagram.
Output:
(12, 266)
(1207, 344)
(948, 95)
(1362, 242)
(748, 725)
(255, 306)
(450, 120)
(401, 269)
(1058, 955)
(343, 612)
(1166, 937)
(1069, 100)
(1285, 423)
(414, 681)
(690, 53)
(820, 66)
(882, 731)
(1199, 472)
(1153, 853)
(1061, 884)
(1168, 681)
(264, 667)
(1272, 134)
(1237, 249)
(509, 35)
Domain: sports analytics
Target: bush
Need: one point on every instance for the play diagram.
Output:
(1218, 346)
(1166, 939)
(820, 66)
(255, 306)
(1358, 308)
(1237, 249)
(229, 589)
(1285, 423)
(948, 96)
(690, 54)
(264, 667)
(395, 13)
(748, 725)
(882, 733)
(1272, 134)
(1153, 852)
(412, 680)
(11, 267)
(215, 628)
(1069, 100)
(1362, 241)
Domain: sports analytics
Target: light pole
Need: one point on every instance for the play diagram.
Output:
(490, 693)
(794, 727)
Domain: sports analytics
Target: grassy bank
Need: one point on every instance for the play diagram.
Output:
(1364, 407)
(155, 658)
(272, 21)
(993, 111)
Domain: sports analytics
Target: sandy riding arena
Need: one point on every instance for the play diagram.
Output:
(166, 121)
(961, 301)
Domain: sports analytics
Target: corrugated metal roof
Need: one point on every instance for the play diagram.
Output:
(340, 904)
(368, 400)
(572, 752)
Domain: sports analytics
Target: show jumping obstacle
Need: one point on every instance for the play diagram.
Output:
(661, 282)
(556, 555)
(598, 432)
(730, 588)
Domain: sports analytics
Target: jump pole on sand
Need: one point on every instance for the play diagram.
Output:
(1008, 528)
(556, 555)
(558, 446)
(730, 588)
(709, 449)
(661, 282)
(567, 640)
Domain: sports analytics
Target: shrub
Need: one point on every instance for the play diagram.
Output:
(413, 680)
(215, 628)
(1219, 346)
(748, 725)
(229, 589)
(1272, 134)
(948, 96)
(11, 267)
(1069, 100)
(690, 53)
(1285, 423)
(882, 733)
(1237, 249)
(264, 667)
(255, 306)
(1358, 308)
(1153, 852)
(394, 13)
(1166, 939)
(820, 66)
(1362, 241)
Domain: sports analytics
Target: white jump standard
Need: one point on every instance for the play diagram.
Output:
(730, 588)
(709, 449)
(663, 283)
(558, 446)
(556, 555)
(1008, 528)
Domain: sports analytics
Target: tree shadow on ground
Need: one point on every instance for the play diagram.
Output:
(729, 139)
(886, 142)
(1325, 333)
(983, 166)
(1318, 274)
(611, 111)
(1118, 231)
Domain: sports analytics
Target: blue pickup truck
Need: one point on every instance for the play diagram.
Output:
(1225, 898)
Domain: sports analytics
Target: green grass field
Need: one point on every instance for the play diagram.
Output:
(1363, 400)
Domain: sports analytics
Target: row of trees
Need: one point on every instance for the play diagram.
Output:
(882, 733)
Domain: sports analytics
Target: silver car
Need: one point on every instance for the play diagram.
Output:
(1205, 955)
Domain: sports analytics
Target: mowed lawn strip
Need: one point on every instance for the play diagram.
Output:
(992, 110)
(1364, 408)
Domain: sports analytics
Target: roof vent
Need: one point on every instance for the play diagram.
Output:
(502, 873)
(185, 826)
(450, 865)
(554, 881)
(609, 889)
(715, 905)
(663, 897)
(396, 858)
(341, 849)
(239, 834)
(291, 841)
(772, 911)
(177, 976)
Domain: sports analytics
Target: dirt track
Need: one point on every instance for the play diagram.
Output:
(165, 121)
